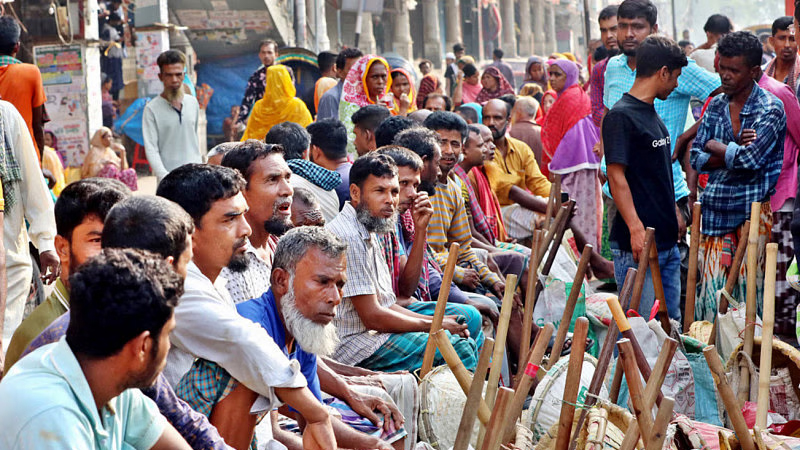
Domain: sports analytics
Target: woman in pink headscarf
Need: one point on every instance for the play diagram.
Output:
(368, 83)
(568, 136)
(494, 85)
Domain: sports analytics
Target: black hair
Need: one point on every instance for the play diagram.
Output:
(424, 61)
(446, 120)
(511, 99)
(469, 70)
(9, 34)
(656, 52)
(390, 127)
(244, 154)
(345, 54)
(608, 12)
(458, 47)
(797, 10)
(84, 198)
(116, 296)
(148, 223)
(421, 141)
(294, 139)
(402, 156)
(498, 53)
(741, 43)
(326, 60)
(370, 116)
(468, 112)
(330, 135)
(448, 104)
(685, 43)
(195, 187)
(473, 128)
(372, 164)
(170, 57)
(268, 42)
(634, 9)
(600, 53)
(781, 24)
(396, 73)
(718, 24)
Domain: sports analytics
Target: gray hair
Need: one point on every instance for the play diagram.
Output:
(527, 106)
(306, 197)
(222, 149)
(294, 245)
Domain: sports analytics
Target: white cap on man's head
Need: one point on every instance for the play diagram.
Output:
(450, 55)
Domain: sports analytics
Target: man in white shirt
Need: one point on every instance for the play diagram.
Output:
(210, 334)
(26, 199)
(716, 26)
(170, 120)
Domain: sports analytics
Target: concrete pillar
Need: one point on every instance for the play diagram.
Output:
(402, 44)
(552, 42)
(452, 22)
(526, 32)
(432, 49)
(300, 23)
(367, 40)
(321, 26)
(508, 40)
(538, 27)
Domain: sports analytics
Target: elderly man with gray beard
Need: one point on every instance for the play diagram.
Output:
(297, 311)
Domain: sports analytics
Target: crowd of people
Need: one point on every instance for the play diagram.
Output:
(281, 289)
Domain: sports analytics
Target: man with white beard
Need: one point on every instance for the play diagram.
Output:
(297, 311)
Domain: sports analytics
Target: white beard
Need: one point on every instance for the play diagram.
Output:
(312, 337)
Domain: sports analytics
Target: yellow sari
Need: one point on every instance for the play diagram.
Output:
(277, 105)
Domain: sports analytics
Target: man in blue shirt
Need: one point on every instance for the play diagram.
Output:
(77, 392)
(308, 274)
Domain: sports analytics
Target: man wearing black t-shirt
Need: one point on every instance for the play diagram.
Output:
(637, 146)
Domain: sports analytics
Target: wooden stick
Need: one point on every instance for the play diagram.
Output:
(459, 371)
(530, 299)
(557, 180)
(604, 359)
(494, 430)
(751, 307)
(768, 322)
(527, 378)
(559, 236)
(658, 288)
(474, 397)
(551, 233)
(569, 308)
(656, 440)
(691, 278)
(598, 441)
(643, 416)
(733, 276)
(441, 304)
(551, 203)
(732, 405)
(649, 240)
(573, 383)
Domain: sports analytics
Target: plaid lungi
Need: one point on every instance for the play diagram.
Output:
(786, 298)
(405, 351)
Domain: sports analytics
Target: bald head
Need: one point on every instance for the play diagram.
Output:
(525, 108)
(495, 116)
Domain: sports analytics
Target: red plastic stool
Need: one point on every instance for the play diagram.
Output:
(140, 158)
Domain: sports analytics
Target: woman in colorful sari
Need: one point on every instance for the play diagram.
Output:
(536, 72)
(367, 83)
(403, 85)
(494, 85)
(568, 136)
(107, 159)
(277, 105)
(548, 99)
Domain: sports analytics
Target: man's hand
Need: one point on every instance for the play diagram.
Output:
(319, 436)
(406, 301)
(50, 266)
(747, 137)
(421, 211)
(471, 279)
(499, 289)
(365, 405)
(637, 242)
(450, 324)
(486, 310)
(681, 222)
(680, 148)
(598, 149)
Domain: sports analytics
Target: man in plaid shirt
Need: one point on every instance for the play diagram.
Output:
(740, 145)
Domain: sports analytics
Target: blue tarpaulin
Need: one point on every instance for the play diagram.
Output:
(228, 77)
(130, 122)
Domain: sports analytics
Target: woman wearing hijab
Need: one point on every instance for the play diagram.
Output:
(536, 72)
(548, 99)
(403, 85)
(277, 105)
(568, 136)
(428, 85)
(367, 83)
(107, 160)
(494, 85)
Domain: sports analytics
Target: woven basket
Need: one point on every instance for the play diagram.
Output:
(618, 420)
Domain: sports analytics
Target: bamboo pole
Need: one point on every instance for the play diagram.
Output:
(573, 383)
(559, 236)
(751, 307)
(474, 397)
(644, 262)
(691, 278)
(732, 405)
(643, 416)
(658, 288)
(730, 283)
(768, 323)
(530, 299)
(494, 430)
(548, 238)
(461, 373)
(569, 308)
(441, 304)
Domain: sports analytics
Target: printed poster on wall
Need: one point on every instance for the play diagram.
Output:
(149, 44)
